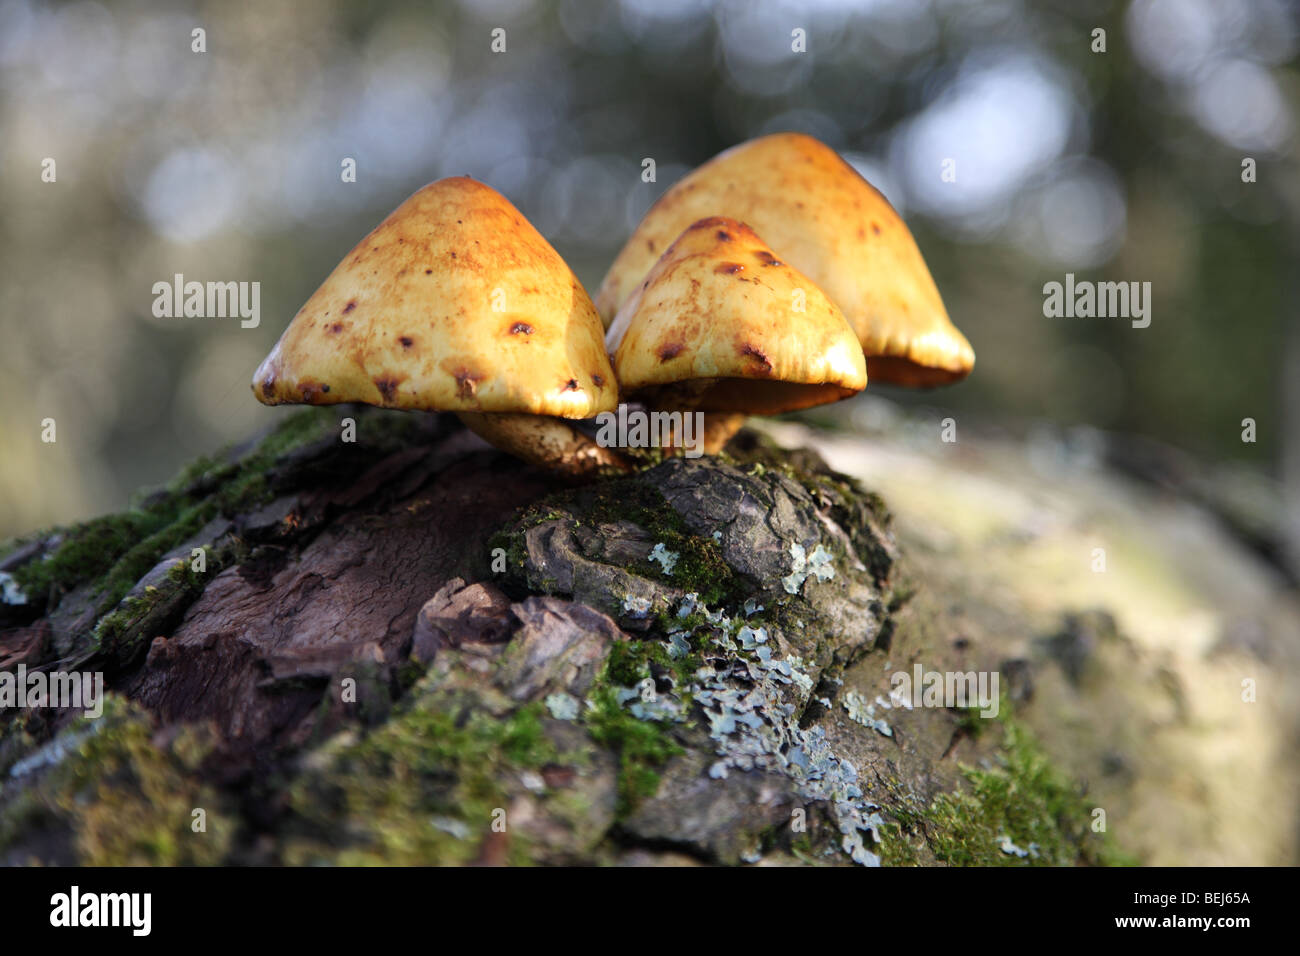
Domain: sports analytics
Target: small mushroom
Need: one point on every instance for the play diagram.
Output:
(823, 218)
(456, 303)
(721, 325)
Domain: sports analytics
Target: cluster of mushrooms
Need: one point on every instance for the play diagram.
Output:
(770, 279)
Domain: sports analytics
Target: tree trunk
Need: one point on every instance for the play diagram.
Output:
(412, 649)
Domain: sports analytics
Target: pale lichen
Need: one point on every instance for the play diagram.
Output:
(819, 564)
(667, 559)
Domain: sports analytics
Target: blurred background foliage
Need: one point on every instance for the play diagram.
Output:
(225, 165)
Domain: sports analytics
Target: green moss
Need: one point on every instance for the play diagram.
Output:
(247, 486)
(113, 630)
(141, 558)
(123, 631)
(424, 788)
(642, 746)
(88, 551)
(896, 848)
(1024, 799)
(972, 725)
(630, 662)
(124, 800)
(114, 551)
(15, 738)
(625, 665)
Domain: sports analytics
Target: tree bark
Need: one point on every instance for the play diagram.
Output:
(413, 649)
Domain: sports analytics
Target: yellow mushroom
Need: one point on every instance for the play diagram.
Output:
(456, 303)
(721, 325)
(819, 215)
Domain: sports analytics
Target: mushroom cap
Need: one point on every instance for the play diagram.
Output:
(453, 303)
(716, 326)
(827, 221)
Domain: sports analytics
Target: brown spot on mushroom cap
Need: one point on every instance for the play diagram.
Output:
(571, 385)
(767, 258)
(670, 350)
(521, 328)
(335, 328)
(387, 388)
(728, 268)
(820, 216)
(598, 380)
(761, 365)
(406, 341)
(311, 391)
(350, 306)
(467, 383)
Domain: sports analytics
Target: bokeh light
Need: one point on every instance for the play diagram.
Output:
(226, 166)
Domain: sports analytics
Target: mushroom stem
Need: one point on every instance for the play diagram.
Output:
(541, 440)
(719, 427)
